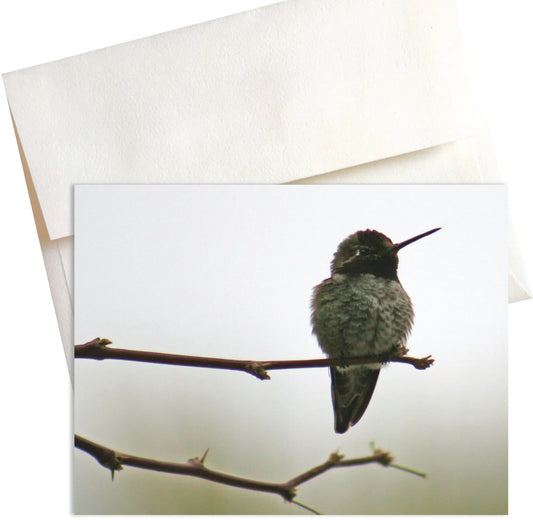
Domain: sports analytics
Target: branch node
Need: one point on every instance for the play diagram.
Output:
(99, 342)
(382, 457)
(257, 370)
(110, 460)
(335, 458)
(106, 457)
(95, 349)
(289, 493)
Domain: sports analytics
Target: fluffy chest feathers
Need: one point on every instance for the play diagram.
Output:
(361, 315)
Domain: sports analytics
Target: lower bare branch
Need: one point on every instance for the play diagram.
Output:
(195, 467)
(98, 349)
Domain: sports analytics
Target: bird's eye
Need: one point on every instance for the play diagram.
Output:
(362, 251)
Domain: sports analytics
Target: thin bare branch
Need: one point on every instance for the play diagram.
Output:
(305, 507)
(98, 349)
(195, 467)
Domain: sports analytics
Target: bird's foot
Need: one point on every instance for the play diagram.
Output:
(399, 351)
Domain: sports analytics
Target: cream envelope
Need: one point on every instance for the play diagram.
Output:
(333, 91)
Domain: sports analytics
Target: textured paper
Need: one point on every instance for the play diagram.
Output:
(268, 96)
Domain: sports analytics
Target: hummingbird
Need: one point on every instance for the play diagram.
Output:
(361, 310)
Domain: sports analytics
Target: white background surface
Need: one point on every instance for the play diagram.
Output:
(35, 391)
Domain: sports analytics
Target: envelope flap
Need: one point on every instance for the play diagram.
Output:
(268, 96)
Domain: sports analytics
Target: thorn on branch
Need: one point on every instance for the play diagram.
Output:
(202, 460)
(199, 461)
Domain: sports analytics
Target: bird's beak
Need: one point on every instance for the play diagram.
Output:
(401, 245)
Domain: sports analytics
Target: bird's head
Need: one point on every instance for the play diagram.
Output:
(372, 252)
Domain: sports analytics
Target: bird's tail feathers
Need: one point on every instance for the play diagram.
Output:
(351, 390)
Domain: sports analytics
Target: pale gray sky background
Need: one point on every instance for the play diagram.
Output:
(227, 271)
